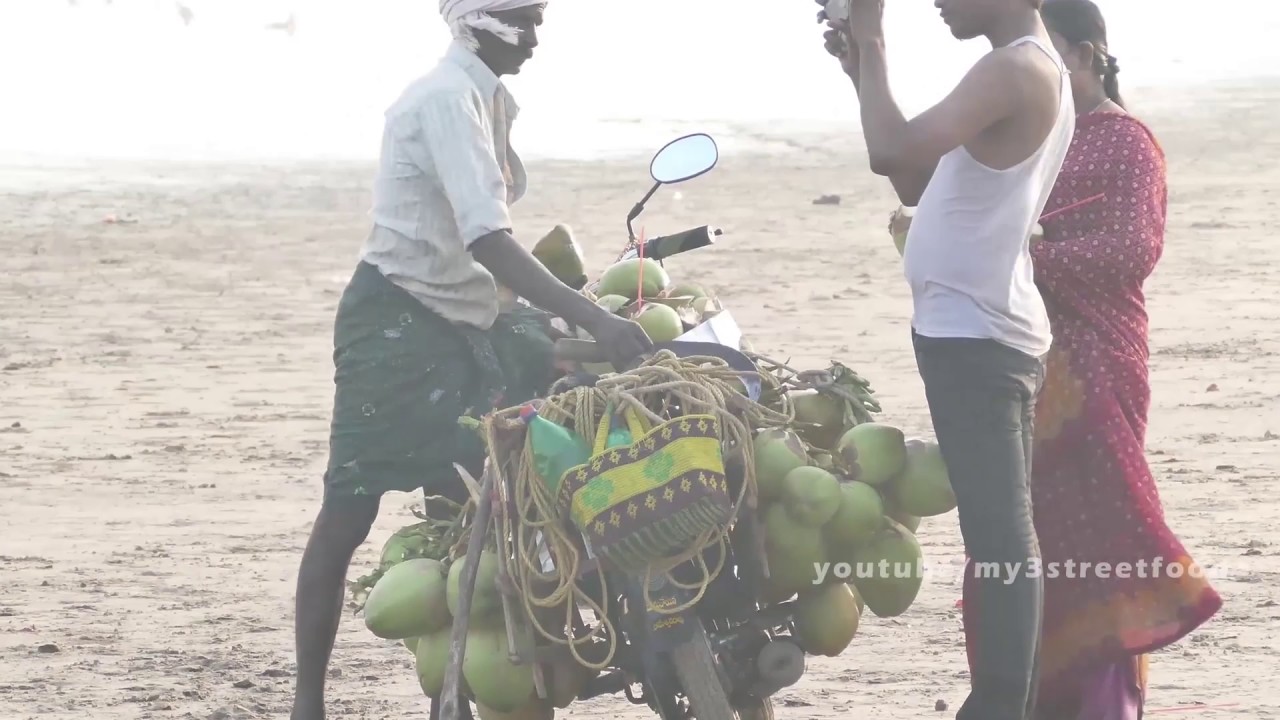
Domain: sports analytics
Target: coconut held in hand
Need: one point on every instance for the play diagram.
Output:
(899, 225)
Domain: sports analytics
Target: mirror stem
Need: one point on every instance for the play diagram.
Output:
(639, 208)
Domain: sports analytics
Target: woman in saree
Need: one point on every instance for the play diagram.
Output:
(1094, 497)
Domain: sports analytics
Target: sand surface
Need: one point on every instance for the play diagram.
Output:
(165, 386)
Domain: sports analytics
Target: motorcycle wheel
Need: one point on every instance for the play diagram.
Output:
(760, 710)
(699, 675)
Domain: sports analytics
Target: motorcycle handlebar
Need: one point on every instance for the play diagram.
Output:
(665, 246)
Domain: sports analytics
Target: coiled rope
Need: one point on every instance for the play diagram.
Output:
(663, 385)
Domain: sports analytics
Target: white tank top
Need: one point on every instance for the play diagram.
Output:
(968, 258)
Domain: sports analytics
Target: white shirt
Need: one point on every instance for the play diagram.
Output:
(446, 178)
(968, 255)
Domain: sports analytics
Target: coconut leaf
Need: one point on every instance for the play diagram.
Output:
(432, 538)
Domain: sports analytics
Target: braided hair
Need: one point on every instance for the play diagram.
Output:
(1080, 21)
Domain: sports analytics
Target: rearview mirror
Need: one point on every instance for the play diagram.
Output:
(684, 159)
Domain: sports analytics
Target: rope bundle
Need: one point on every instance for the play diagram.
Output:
(666, 385)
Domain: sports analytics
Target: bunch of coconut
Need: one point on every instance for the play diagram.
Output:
(414, 601)
(640, 289)
(842, 537)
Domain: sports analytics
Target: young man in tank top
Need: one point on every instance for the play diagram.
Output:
(978, 166)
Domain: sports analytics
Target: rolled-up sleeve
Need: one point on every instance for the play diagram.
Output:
(461, 146)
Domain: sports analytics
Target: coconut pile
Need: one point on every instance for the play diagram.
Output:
(840, 522)
(839, 494)
(412, 597)
(641, 289)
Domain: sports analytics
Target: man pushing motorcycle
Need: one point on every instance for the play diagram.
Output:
(421, 337)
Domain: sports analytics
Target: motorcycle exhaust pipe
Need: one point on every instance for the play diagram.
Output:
(780, 664)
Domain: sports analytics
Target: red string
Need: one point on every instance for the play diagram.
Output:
(1072, 206)
(640, 275)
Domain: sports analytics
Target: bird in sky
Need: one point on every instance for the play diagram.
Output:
(289, 26)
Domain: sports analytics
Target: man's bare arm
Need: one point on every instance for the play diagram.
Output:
(909, 184)
(518, 270)
(911, 149)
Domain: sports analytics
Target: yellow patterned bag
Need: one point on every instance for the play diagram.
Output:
(652, 498)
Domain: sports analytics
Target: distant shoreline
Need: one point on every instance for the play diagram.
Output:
(19, 172)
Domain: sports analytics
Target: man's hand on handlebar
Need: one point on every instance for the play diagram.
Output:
(624, 340)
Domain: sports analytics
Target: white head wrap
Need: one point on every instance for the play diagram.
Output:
(464, 17)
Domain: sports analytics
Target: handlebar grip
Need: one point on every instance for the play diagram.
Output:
(661, 248)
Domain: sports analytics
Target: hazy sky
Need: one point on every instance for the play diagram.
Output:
(130, 78)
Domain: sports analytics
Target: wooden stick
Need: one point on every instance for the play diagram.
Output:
(512, 616)
(507, 589)
(449, 694)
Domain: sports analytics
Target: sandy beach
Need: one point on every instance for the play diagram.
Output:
(165, 387)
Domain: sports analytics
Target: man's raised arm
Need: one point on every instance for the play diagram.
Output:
(907, 151)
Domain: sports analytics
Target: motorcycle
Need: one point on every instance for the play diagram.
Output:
(680, 160)
(727, 655)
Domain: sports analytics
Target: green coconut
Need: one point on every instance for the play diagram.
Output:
(411, 643)
(533, 709)
(887, 571)
(487, 600)
(1037, 234)
(561, 255)
(495, 681)
(612, 303)
(823, 460)
(660, 323)
(811, 495)
(623, 278)
(691, 291)
(794, 553)
(858, 518)
(899, 225)
(777, 452)
(819, 417)
(900, 242)
(900, 516)
(862, 606)
(431, 658)
(873, 453)
(706, 308)
(923, 488)
(409, 600)
(826, 619)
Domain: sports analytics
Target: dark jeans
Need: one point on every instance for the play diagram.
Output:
(982, 398)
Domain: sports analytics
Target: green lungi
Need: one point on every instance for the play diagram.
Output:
(404, 376)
